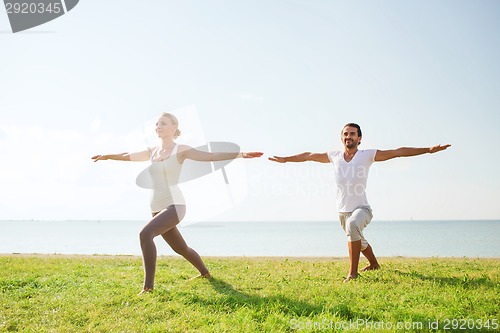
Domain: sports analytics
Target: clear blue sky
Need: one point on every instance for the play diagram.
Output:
(280, 77)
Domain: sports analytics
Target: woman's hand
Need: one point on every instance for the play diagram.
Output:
(99, 158)
(252, 154)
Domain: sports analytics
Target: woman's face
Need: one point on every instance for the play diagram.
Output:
(165, 127)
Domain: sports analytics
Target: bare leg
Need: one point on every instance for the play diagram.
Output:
(159, 224)
(373, 263)
(174, 238)
(354, 253)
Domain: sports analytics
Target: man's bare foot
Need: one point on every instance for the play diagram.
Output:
(370, 268)
(350, 277)
(206, 276)
(145, 291)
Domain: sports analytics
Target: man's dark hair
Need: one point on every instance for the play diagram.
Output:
(353, 125)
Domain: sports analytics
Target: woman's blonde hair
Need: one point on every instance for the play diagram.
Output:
(175, 121)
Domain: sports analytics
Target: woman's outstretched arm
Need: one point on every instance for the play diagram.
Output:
(186, 152)
(140, 156)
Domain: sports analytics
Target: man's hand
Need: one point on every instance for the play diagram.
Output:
(277, 159)
(437, 148)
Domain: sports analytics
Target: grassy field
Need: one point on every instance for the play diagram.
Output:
(99, 294)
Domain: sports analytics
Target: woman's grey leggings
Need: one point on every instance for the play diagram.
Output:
(164, 223)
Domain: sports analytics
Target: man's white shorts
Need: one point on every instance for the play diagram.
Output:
(354, 222)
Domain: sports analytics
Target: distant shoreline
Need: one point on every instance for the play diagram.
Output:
(257, 239)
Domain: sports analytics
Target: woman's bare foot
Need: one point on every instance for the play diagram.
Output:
(350, 277)
(206, 276)
(370, 268)
(145, 291)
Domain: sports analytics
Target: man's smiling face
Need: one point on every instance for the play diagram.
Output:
(350, 137)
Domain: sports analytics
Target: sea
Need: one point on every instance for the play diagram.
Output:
(461, 238)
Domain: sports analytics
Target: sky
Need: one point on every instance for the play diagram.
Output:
(281, 77)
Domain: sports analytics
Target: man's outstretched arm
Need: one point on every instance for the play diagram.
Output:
(384, 155)
(316, 157)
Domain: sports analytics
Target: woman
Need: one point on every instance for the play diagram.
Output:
(167, 203)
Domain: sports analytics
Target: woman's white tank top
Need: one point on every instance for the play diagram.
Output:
(165, 175)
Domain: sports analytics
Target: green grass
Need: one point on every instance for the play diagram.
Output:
(99, 294)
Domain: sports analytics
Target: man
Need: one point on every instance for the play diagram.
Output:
(351, 171)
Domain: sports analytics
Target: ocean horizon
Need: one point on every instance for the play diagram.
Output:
(423, 238)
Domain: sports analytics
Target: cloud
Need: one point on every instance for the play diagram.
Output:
(3, 135)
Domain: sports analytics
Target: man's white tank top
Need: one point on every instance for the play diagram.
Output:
(165, 175)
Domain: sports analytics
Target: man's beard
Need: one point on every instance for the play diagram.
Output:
(350, 144)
